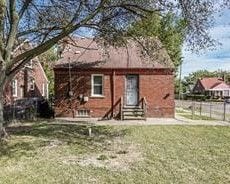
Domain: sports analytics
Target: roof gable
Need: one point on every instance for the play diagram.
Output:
(91, 54)
(221, 86)
(209, 83)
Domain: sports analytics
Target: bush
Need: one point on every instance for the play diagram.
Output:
(196, 97)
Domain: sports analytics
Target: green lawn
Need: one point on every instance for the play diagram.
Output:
(138, 154)
(188, 114)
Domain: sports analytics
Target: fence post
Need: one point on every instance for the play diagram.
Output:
(193, 109)
(200, 108)
(224, 111)
(210, 109)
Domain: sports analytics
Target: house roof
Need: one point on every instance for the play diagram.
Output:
(87, 53)
(24, 46)
(213, 83)
(220, 87)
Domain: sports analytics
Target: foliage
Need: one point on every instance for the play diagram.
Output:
(169, 29)
(189, 81)
(192, 78)
(48, 59)
(177, 86)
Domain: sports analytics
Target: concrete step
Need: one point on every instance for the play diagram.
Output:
(134, 118)
(132, 110)
(133, 113)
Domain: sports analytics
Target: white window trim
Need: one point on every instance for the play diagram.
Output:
(32, 85)
(92, 85)
(47, 90)
(22, 92)
(30, 64)
(43, 89)
(15, 82)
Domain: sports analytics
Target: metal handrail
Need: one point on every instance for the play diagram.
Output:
(121, 108)
(144, 105)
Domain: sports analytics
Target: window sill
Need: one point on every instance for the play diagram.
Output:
(97, 96)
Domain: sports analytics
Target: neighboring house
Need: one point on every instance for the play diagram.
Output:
(213, 87)
(106, 82)
(29, 82)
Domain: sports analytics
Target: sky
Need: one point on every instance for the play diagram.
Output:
(211, 60)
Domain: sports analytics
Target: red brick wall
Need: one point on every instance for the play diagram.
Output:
(81, 84)
(22, 82)
(159, 93)
(156, 86)
(39, 79)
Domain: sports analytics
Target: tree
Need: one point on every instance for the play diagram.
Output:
(192, 78)
(47, 60)
(44, 23)
(169, 29)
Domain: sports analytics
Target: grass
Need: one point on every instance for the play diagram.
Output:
(188, 114)
(41, 153)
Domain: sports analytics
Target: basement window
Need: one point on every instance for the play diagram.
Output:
(83, 113)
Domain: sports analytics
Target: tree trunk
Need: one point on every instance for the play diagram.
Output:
(3, 133)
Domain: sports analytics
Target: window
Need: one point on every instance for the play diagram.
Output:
(30, 64)
(97, 85)
(43, 89)
(15, 88)
(22, 91)
(31, 84)
(83, 113)
(226, 93)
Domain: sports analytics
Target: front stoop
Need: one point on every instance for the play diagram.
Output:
(133, 113)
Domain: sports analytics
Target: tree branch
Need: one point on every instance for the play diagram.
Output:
(24, 8)
(14, 19)
(49, 43)
(2, 15)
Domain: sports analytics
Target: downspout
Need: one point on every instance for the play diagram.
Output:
(70, 92)
(113, 92)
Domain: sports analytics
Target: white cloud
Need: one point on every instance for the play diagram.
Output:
(211, 60)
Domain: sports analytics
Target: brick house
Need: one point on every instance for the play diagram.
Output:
(213, 87)
(92, 80)
(29, 82)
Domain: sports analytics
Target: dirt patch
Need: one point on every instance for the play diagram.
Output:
(119, 155)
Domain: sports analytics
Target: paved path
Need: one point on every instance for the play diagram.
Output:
(179, 120)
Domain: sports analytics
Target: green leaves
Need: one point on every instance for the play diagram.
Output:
(48, 59)
(168, 28)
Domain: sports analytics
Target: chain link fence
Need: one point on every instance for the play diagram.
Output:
(28, 109)
(212, 110)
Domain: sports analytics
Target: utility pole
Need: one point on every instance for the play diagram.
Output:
(180, 81)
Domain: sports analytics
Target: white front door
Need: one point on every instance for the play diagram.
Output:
(132, 90)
